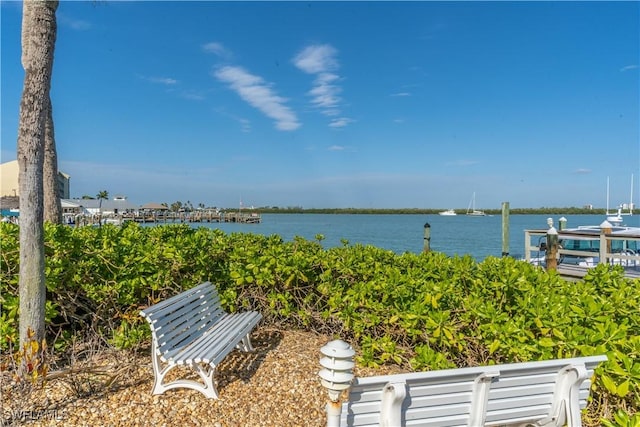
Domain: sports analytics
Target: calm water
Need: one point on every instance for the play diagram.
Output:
(456, 235)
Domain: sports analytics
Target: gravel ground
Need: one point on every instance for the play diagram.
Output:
(277, 385)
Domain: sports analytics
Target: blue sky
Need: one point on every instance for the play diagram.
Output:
(341, 104)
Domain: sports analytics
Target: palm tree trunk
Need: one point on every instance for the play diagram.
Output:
(38, 41)
(52, 205)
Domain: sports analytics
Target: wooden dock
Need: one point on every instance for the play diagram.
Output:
(165, 217)
(604, 248)
(577, 272)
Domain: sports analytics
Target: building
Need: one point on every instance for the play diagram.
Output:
(115, 206)
(9, 181)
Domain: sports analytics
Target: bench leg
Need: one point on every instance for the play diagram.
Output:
(565, 409)
(204, 371)
(245, 344)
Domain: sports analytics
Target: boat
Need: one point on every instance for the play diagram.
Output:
(471, 209)
(617, 218)
(586, 246)
(448, 212)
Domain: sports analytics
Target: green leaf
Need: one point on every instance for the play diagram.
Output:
(546, 342)
(623, 389)
(609, 384)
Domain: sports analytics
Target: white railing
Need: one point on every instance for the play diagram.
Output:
(535, 245)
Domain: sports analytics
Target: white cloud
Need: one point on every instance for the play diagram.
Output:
(629, 67)
(401, 94)
(246, 125)
(254, 90)
(582, 171)
(216, 48)
(341, 122)
(336, 148)
(162, 80)
(321, 61)
(316, 59)
(325, 94)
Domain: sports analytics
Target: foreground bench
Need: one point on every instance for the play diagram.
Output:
(543, 393)
(191, 329)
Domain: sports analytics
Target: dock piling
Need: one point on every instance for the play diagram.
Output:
(552, 249)
(427, 238)
(505, 229)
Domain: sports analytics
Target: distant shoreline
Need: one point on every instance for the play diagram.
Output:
(11, 202)
(417, 211)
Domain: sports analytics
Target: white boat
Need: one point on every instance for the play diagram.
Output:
(448, 212)
(584, 247)
(617, 218)
(471, 209)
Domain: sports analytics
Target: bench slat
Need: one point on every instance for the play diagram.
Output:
(170, 313)
(519, 393)
(188, 330)
(240, 325)
(186, 318)
(188, 294)
(221, 339)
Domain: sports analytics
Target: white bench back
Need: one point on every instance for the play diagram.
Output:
(181, 319)
(542, 392)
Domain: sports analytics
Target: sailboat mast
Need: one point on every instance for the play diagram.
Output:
(631, 197)
(607, 195)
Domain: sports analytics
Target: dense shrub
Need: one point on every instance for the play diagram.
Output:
(424, 311)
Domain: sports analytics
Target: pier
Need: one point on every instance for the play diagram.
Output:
(165, 217)
(195, 217)
(581, 250)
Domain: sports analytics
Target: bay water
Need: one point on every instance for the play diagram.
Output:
(454, 235)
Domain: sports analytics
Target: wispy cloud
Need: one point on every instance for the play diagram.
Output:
(582, 171)
(173, 86)
(168, 81)
(341, 122)
(245, 124)
(629, 67)
(259, 94)
(320, 60)
(217, 48)
(341, 148)
(192, 95)
(401, 94)
(316, 59)
(325, 93)
(74, 24)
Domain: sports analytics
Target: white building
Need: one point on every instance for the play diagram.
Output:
(117, 205)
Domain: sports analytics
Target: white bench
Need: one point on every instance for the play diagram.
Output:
(191, 329)
(544, 393)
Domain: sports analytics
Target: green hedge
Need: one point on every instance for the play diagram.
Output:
(424, 311)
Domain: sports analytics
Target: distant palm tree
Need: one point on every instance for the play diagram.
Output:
(176, 206)
(102, 195)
